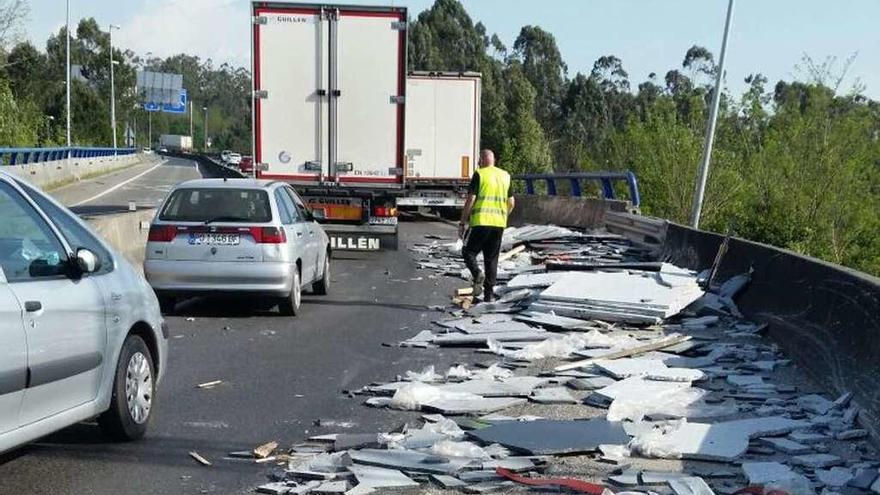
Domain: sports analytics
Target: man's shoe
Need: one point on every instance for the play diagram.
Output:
(478, 284)
(489, 297)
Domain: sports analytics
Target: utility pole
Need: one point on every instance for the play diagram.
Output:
(67, 32)
(150, 136)
(112, 88)
(697, 208)
(206, 127)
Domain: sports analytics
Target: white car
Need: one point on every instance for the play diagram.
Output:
(81, 333)
(224, 155)
(233, 159)
(241, 237)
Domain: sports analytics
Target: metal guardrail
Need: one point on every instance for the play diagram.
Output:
(575, 179)
(23, 156)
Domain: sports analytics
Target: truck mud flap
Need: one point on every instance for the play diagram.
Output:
(362, 237)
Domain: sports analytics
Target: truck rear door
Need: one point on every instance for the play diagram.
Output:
(330, 90)
(291, 83)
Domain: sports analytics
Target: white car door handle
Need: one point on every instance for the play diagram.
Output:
(33, 306)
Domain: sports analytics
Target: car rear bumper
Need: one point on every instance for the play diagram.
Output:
(199, 277)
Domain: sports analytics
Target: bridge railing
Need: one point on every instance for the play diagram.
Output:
(23, 156)
(576, 180)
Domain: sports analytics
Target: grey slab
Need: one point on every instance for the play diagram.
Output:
(745, 380)
(815, 403)
(760, 473)
(408, 460)
(277, 488)
(346, 441)
(332, 487)
(590, 383)
(817, 460)
(447, 481)
(494, 327)
(546, 437)
(478, 476)
(835, 477)
(552, 395)
(626, 478)
(377, 477)
(515, 386)
(660, 477)
(690, 486)
(863, 478)
(516, 464)
(532, 280)
(462, 339)
(787, 446)
(483, 405)
(487, 487)
(807, 437)
(636, 386)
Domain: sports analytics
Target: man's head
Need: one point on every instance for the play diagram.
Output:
(487, 158)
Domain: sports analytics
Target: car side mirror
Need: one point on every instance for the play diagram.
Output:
(87, 261)
(317, 215)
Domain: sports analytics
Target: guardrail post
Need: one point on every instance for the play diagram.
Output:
(551, 186)
(607, 188)
(633, 189)
(575, 187)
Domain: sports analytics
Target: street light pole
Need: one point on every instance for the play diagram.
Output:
(697, 208)
(206, 127)
(67, 32)
(112, 88)
(190, 119)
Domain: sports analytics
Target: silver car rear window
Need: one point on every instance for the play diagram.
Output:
(217, 205)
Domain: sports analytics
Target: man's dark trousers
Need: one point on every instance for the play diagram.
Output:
(486, 240)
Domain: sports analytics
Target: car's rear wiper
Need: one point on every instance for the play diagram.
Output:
(226, 219)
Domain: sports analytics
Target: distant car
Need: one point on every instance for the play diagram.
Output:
(233, 159)
(147, 150)
(163, 150)
(241, 237)
(246, 165)
(224, 156)
(81, 333)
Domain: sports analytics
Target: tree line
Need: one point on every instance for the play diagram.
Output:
(796, 163)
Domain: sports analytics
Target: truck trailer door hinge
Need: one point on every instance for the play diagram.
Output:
(313, 166)
(261, 94)
(260, 20)
(399, 25)
(397, 99)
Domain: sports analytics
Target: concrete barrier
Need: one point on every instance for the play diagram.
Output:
(126, 232)
(53, 174)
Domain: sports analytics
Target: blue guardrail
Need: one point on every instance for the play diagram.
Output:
(605, 179)
(23, 156)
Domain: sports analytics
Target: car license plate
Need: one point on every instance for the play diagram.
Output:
(206, 239)
(383, 220)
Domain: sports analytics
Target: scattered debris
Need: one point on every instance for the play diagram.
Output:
(209, 384)
(265, 450)
(201, 460)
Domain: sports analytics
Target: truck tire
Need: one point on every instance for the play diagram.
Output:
(322, 287)
(289, 306)
(134, 392)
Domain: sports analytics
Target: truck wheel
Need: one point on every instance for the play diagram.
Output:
(322, 287)
(134, 392)
(290, 305)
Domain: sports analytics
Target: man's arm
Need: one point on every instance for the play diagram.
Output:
(511, 203)
(466, 214)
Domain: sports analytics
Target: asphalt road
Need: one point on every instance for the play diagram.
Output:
(146, 185)
(279, 376)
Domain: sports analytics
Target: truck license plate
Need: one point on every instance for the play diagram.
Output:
(200, 239)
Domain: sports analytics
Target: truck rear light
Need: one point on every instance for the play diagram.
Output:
(385, 211)
(162, 233)
(268, 235)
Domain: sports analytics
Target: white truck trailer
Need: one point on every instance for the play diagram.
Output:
(176, 142)
(329, 110)
(442, 137)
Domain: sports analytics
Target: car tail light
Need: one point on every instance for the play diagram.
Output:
(162, 233)
(384, 211)
(268, 235)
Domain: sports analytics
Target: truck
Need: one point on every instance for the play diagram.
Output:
(329, 111)
(442, 137)
(176, 142)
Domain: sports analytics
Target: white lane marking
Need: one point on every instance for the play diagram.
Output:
(117, 186)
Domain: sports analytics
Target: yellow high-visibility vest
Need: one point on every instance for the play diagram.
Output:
(490, 208)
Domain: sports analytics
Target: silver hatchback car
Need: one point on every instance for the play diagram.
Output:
(236, 237)
(81, 334)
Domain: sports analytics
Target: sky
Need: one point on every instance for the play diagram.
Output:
(767, 36)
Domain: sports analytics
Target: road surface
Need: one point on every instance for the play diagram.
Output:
(279, 376)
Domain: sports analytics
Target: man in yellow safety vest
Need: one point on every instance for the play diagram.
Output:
(489, 202)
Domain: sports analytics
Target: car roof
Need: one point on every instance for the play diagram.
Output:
(224, 183)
